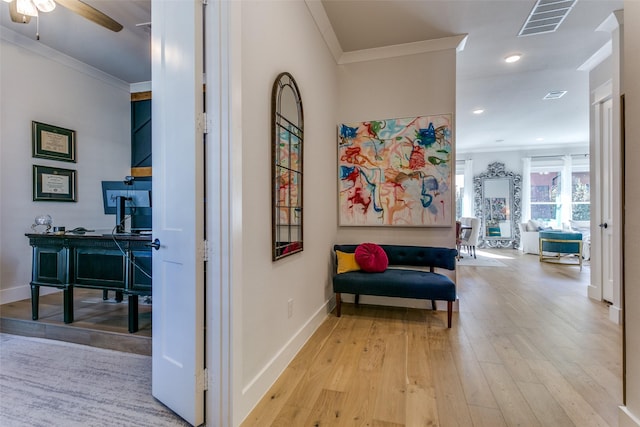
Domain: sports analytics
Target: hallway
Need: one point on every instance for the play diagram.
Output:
(527, 348)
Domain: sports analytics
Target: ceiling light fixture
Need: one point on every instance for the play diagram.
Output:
(513, 58)
(31, 7)
(478, 111)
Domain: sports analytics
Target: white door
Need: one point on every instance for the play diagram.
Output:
(605, 223)
(178, 208)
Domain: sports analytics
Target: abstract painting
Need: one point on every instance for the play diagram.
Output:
(396, 172)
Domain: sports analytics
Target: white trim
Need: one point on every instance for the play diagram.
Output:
(551, 146)
(321, 19)
(319, 15)
(140, 87)
(596, 59)
(615, 314)
(257, 387)
(612, 22)
(626, 418)
(602, 93)
(19, 293)
(59, 57)
(453, 42)
(223, 53)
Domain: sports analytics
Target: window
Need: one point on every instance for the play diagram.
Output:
(545, 196)
(559, 190)
(580, 199)
(459, 194)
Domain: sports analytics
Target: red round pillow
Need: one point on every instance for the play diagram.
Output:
(371, 258)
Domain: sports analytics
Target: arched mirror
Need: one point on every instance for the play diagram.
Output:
(286, 167)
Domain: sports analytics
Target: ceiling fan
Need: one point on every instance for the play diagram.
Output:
(21, 11)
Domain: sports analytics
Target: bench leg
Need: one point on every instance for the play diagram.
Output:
(433, 305)
(338, 302)
(357, 299)
(449, 313)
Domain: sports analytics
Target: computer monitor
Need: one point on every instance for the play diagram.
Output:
(135, 197)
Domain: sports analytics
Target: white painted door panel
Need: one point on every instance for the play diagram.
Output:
(606, 221)
(178, 217)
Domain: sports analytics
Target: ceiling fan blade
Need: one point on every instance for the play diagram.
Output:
(17, 17)
(90, 13)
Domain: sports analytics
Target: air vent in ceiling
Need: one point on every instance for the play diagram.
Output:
(546, 16)
(555, 94)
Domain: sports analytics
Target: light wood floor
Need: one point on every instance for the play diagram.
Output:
(528, 348)
(97, 323)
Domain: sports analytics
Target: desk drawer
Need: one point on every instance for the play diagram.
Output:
(50, 265)
(99, 268)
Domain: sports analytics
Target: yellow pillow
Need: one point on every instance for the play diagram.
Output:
(346, 262)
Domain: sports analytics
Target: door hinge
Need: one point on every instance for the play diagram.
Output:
(203, 380)
(203, 124)
(204, 250)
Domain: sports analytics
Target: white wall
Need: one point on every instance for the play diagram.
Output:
(512, 159)
(630, 414)
(281, 36)
(64, 93)
(408, 86)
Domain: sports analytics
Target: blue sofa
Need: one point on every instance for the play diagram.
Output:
(402, 282)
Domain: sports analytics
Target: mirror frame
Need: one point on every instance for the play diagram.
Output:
(281, 249)
(497, 170)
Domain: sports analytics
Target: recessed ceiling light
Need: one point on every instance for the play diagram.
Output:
(513, 58)
(539, 139)
(478, 111)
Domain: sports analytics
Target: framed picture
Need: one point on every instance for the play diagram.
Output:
(396, 172)
(52, 142)
(53, 184)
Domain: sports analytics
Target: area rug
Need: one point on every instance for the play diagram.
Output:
(480, 261)
(54, 383)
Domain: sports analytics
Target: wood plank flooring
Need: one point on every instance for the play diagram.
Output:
(528, 348)
(97, 323)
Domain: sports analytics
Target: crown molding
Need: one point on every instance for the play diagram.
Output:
(596, 59)
(445, 43)
(321, 19)
(59, 57)
(612, 22)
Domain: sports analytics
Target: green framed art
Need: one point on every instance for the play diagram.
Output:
(53, 142)
(53, 184)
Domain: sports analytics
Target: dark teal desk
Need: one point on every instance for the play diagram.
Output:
(93, 261)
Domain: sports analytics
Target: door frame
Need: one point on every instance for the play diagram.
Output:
(602, 94)
(223, 219)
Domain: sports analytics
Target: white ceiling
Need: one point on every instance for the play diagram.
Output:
(515, 115)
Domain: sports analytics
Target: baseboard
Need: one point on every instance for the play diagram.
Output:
(260, 384)
(19, 293)
(626, 418)
(594, 292)
(615, 314)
